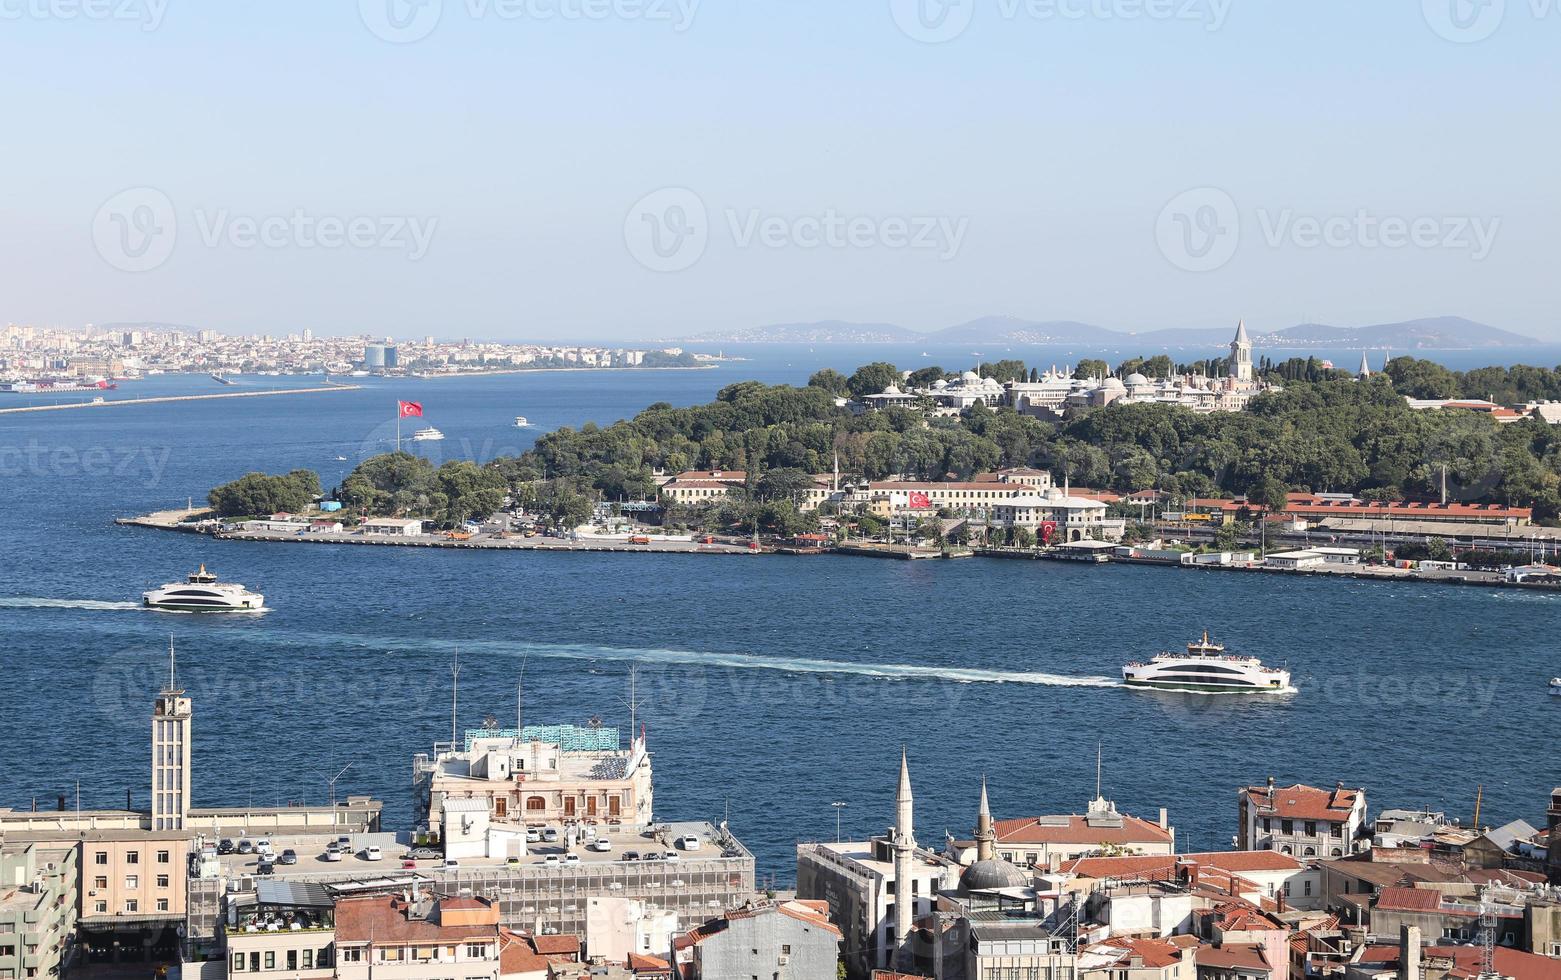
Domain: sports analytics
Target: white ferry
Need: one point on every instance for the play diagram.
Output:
(429, 434)
(1555, 686)
(1206, 669)
(201, 592)
(521, 422)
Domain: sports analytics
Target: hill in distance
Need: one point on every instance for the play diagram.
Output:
(1430, 333)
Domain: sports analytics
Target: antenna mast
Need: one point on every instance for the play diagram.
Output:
(455, 695)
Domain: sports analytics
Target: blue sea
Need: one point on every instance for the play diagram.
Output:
(769, 687)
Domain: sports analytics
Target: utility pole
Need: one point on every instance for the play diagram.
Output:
(839, 806)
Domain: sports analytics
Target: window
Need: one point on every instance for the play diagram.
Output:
(101, 881)
(162, 881)
(238, 963)
(1311, 828)
(100, 908)
(254, 962)
(131, 905)
(352, 955)
(162, 905)
(132, 882)
(1307, 887)
(1336, 830)
(270, 960)
(308, 959)
(292, 959)
(1287, 826)
(132, 857)
(162, 857)
(101, 857)
(476, 951)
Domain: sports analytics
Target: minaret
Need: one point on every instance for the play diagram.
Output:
(1241, 354)
(985, 838)
(904, 843)
(170, 754)
(1365, 369)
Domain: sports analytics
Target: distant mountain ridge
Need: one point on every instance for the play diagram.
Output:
(1428, 333)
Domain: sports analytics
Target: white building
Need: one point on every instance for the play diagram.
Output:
(1301, 821)
(617, 927)
(404, 527)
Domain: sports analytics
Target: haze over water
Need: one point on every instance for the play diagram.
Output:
(773, 685)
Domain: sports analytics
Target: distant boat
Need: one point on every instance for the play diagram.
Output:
(429, 434)
(521, 422)
(201, 592)
(341, 459)
(1206, 669)
(1555, 686)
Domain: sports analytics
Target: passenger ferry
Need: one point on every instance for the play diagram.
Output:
(1206, 669)
(201, 592)
(429, 434)
(521, 422)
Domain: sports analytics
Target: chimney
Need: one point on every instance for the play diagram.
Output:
(1165, 819)
(128, 804)
(1409, 953)
(1186, 872)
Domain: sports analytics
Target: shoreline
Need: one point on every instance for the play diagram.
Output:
(171, 521)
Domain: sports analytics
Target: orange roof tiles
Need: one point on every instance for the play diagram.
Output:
(1300, 802)
(1030, 830)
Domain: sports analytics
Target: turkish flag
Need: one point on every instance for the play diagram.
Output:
(409, 409)
(919, 500)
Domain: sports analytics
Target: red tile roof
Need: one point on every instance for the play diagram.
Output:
(516, 955)
(556, 945)
(1238, 957)
(1508, 962)
(1156, 953)
(1236, 861)
(382, 919)
(1398, 899)
(1031, 830)
(1300, 802)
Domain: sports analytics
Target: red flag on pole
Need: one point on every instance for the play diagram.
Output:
(410, 409)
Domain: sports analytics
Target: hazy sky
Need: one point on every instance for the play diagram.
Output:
(646, 168)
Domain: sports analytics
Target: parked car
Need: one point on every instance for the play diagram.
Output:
(630, 856)
(226, 846)
(671, 856)
(652, 856)
(452, 863)
(263, 847)
(246, 846)
(333, 853)
(601, 845)
(373, 853)
(424, 854)
(550, 859)
(345, 843)
(289, 856)
(550, 835)
(571, 859)
(265, 868)
(533, 835)
(689, 842)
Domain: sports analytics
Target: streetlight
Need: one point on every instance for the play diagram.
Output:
(331, 783)
(838, 805)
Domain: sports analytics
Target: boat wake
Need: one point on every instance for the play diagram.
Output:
(742, 661)
(26, 602)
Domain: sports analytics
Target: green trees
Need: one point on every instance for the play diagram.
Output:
(831, 381)
(257, 494)
(402, 483)
(872, 379)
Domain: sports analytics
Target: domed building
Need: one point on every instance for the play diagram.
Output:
(988, 872)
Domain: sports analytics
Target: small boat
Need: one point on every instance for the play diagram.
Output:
(1207, 669)
(341, 459)
(201, 592)
(1555, 686)
(429, 434)
(521, 422)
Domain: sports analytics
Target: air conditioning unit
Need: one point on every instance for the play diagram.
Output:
(782, 959)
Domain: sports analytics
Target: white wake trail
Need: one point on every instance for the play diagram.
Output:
(28, 602)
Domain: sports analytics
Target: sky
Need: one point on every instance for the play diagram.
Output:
(645, 169)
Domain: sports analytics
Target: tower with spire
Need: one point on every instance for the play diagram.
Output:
(986, 839)
(170, 753)
(903, 840)
(1240, 362)
(1365, 368)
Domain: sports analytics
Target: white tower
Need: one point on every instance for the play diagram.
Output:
(170, 754)
(1241, 354)
(985, 838)
(1365, 369)
(904, 843)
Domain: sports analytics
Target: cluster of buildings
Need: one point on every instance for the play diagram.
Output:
(1018, 497)
(1052, 394)
(536, 854)
(1313, 889)
(28, 353)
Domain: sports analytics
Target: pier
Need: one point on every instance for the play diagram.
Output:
(160, 399)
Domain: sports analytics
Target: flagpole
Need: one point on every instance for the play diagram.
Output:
(398, 426)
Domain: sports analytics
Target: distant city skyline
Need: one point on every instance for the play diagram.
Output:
(638, 172)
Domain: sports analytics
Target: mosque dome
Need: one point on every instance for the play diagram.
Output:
(992, 873)
(892, 390)
(940, 384)
(1136, 379)
(1114, 384)
(970, 377)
